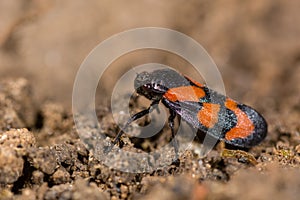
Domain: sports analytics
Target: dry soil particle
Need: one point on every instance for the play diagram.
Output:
(11, 165)
(17, 106)
(170, 188)
(43, 158)
(13, 146)
(274, 183)
(54, 125)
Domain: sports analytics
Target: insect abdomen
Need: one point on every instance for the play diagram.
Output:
(221, 117)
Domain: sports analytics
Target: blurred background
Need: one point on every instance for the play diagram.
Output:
(254, 43)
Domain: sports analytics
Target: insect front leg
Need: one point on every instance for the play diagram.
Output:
(171, 125)
(132, 119)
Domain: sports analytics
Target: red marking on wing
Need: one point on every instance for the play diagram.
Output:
(185, 93)
(244, 126)
(208, 115)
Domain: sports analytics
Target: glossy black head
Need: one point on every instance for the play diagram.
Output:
(146, 84)
(153, 85)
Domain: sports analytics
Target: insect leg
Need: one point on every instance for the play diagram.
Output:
(132, 118)
(171, 125)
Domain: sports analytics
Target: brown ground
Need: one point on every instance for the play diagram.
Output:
(254, 43)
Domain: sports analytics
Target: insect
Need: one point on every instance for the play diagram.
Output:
(204, 109)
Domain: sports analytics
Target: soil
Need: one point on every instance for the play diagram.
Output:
(255, 45)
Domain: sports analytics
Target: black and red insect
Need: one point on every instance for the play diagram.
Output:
(204, 109)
